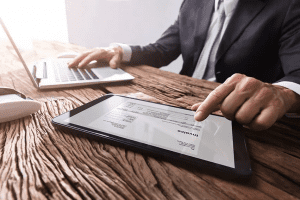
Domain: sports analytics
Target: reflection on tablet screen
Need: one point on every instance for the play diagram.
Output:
(169, 128)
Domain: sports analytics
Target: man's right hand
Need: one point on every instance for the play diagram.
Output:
(113, 55)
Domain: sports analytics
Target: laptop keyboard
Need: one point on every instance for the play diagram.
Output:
(65, 74)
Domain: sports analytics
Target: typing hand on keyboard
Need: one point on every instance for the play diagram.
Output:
(65, 74)
(112, 55)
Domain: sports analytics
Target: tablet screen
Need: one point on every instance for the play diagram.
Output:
(162, 126)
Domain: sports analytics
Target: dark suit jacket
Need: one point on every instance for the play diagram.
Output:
(262, 40)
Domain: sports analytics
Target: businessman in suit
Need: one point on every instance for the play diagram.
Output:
(251, 46)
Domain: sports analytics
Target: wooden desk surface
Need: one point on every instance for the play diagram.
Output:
(40, 162)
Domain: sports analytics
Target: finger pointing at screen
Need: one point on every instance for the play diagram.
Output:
(248, 101)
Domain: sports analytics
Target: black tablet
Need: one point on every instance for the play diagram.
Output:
(215, 144)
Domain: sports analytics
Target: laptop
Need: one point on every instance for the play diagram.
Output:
(55, 73)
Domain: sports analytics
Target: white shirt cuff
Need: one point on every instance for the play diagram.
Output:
(126, 51)
(294, 87)
(290, 85)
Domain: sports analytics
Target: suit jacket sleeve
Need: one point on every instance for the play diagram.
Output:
(162, 52)
(289, 44)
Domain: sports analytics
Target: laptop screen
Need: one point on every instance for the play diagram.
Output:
(29, 72)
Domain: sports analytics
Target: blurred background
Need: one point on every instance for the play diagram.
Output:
(91, 23)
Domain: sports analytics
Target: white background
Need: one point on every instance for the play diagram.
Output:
(91, 23)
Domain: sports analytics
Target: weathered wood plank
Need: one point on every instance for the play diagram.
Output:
(63, 165)
(281, 162)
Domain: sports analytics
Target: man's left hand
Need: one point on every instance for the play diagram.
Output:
(252, 103)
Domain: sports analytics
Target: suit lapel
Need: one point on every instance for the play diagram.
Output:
(245, 12)
(204, 15)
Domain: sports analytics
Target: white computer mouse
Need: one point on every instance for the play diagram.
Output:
(67, 55)
(14, 106)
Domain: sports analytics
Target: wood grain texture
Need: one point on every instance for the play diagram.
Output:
(38, 161)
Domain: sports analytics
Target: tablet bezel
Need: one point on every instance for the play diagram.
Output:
(241, 158)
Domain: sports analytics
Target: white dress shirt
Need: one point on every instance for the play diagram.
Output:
(229, 6)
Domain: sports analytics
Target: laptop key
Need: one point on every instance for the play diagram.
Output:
(86, 76)
(64, 74)
(70, 75)
(77, 74)
(57, 79)
(93, 75)
(64, 79)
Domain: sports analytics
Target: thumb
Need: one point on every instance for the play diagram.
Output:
(115, 61)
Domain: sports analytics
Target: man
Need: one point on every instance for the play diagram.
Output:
(251, 46)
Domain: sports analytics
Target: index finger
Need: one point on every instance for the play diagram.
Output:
(216, 97)
(78, 58)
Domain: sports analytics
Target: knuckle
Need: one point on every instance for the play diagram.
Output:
(89, 55)
(277, 103)
(248, 84)
(237, 75)
(88, 58)
(233, 78)
(264, 93)
(251, 80)
(97, 50)
(216, 93)
(267, 91)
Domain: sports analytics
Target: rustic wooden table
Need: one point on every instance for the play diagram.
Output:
(39, 162)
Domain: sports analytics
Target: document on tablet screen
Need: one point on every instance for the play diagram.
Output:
(162, 126)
